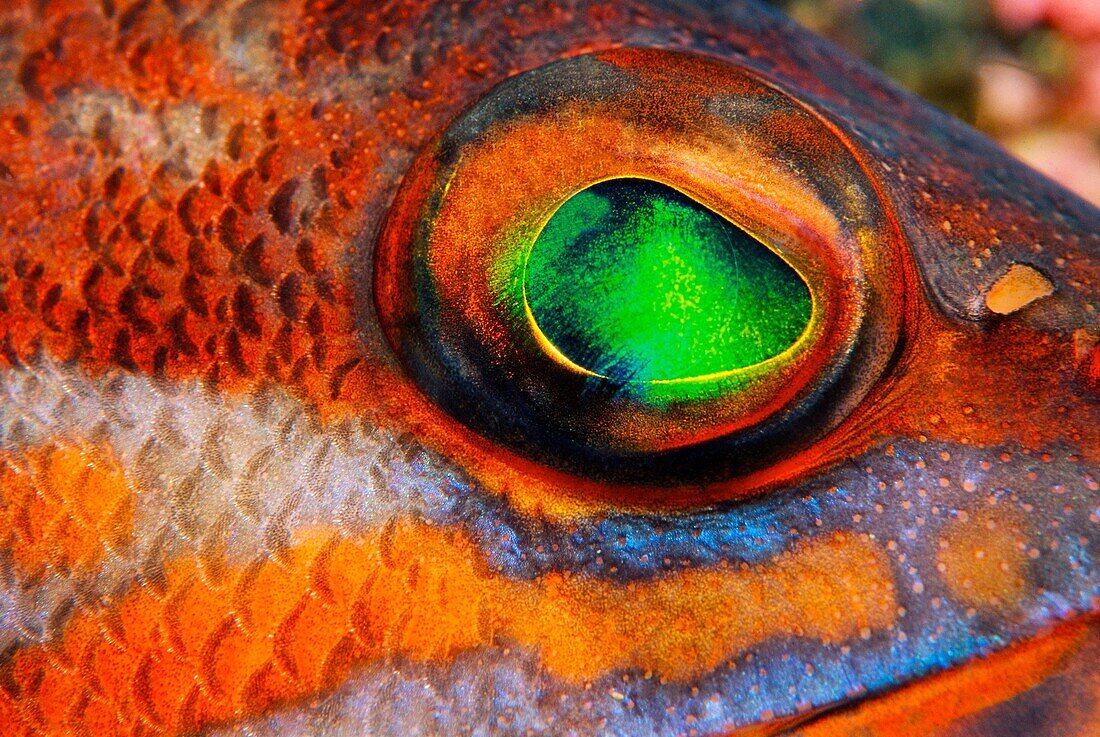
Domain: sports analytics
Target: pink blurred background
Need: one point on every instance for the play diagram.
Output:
(1027, 72)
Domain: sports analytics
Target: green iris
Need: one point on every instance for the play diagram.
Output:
(639, 283)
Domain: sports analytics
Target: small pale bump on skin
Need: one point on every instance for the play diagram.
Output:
(1017, 288)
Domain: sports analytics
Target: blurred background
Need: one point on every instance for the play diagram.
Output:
(1027, 72)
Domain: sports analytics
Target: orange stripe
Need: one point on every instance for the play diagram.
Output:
(63, 507)
(209, 651)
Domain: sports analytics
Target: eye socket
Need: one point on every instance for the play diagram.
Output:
(641, 264)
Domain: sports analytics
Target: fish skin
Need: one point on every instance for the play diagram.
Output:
(191, 194)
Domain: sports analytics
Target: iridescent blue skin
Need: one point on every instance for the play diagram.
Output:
(928, 639)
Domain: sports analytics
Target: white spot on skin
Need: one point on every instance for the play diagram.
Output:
(1020, 286)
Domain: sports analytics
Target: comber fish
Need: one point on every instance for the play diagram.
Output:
(309, 426)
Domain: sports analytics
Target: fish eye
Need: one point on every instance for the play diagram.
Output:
(644, 266)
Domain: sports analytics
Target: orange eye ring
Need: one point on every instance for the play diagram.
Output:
(720, 134)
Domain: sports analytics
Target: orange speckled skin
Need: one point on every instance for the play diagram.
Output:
(225, 503)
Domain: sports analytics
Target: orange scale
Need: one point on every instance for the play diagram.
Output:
(379, 620)
(191, 622)
(100, 719)
(268, 685)
(23, 517)
(310, 638)
(82, 632)
(234, 658)
(11, 720)
(141, 615)
(339, 662)
(25, 670)
(162, 684)
(275, 591)
(113, 669)
(347, 568)
(56, 694)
